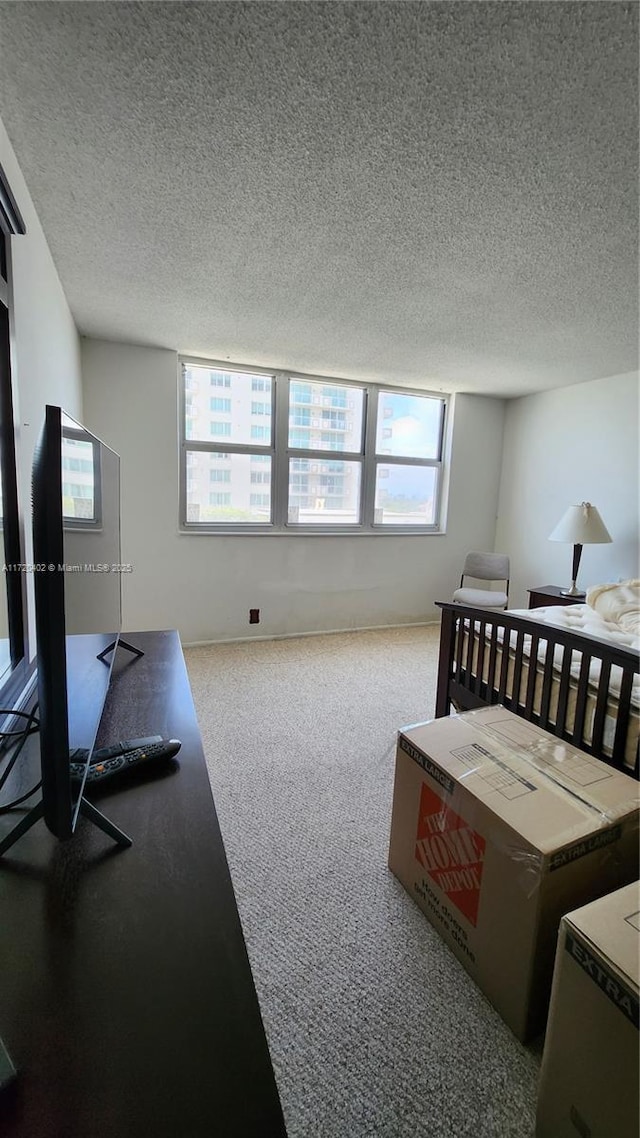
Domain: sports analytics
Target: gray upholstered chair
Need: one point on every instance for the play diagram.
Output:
(484, 567)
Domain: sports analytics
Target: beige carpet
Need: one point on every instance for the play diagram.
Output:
(374, 1027)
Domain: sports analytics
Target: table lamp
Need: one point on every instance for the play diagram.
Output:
(580, 525)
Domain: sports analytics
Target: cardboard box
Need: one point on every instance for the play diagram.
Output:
(589, 1078)
(499, 829)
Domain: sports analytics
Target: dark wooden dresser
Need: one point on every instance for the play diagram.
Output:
(126, 996)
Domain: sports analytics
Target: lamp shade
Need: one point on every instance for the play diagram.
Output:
(581, 525)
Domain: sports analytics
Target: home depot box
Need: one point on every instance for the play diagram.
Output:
(499, 829)
(589, 1076)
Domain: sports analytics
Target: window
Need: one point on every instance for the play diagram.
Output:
(77, 490)
(80, 478)
(299, 393)
(329, 442)
(328, 456)
(411, 426)
(333, 397)
(300, 438)
(81, 465)
(334, 419)
(225, 451)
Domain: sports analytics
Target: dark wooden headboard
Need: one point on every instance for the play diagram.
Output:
(473, 671)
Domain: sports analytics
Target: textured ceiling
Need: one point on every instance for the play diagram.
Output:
(439, 194)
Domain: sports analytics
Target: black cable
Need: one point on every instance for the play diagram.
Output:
(17, 801)
(29, 715)
(19, 740)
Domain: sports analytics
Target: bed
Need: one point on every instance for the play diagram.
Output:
(574, 670)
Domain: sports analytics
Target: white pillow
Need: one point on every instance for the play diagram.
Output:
(619, 604)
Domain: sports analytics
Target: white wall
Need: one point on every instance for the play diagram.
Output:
(205, 585)
(45, 350)
(570, 445)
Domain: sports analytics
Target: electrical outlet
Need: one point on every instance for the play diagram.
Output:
(254, 616)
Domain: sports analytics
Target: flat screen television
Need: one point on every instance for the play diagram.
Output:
(77, 588)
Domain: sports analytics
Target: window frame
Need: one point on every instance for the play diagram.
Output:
(94, 523)
(280, 454)
(400, 460)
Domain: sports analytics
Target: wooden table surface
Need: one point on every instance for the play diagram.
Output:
(126, 996)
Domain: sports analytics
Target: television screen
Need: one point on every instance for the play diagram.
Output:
(14, 658)
(76, 534)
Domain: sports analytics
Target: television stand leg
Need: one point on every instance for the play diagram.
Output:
(121, 644)
(86, 808)
(23, 825)
(102, 822)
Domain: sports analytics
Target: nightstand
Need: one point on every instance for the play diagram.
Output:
(552, 595)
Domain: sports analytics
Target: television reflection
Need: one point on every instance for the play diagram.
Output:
(92, 583)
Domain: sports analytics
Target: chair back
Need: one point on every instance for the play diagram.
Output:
(487, 566)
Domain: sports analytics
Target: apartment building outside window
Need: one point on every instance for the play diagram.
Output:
(80, 478)
(307, 455)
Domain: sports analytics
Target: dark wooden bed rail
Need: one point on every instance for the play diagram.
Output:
(468, 632)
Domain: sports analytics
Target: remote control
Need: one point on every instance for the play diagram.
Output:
(79, 754)
(96, 772)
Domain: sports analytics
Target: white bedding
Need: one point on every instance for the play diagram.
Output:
(611, 612)
(620, 605)
(582, 619)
